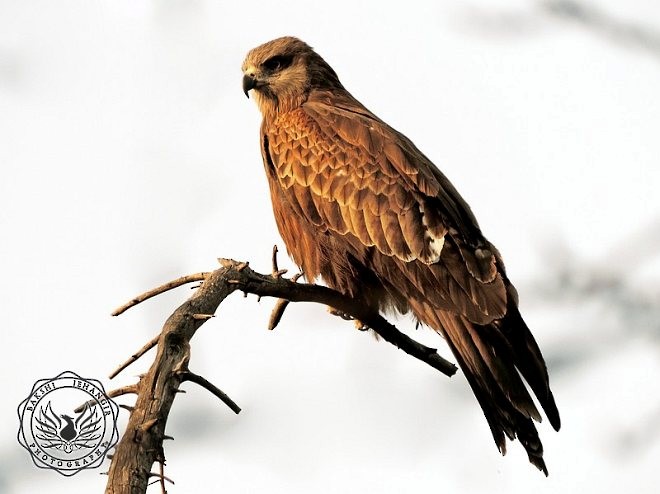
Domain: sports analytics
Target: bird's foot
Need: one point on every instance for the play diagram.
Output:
(359, 325)
(338, 313)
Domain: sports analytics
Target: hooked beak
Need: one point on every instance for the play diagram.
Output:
(249, 82)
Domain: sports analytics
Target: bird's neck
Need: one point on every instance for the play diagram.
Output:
(273, 106)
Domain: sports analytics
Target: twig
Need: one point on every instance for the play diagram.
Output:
(158, 290)
(148, 424)
(124, 390)
(278, 312)
(280, 307)
(212, 388)
(148, 346)
(202, 317)
(276, 273)
(275, 267)
(160, 476)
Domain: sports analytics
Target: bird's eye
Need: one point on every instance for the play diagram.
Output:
(278, 62)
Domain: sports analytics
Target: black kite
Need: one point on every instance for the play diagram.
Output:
(360, 206)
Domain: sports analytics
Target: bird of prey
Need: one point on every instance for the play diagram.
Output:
(358, 205)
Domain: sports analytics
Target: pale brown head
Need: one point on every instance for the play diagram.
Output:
(282, 72)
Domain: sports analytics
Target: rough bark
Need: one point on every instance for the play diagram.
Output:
(142, 443)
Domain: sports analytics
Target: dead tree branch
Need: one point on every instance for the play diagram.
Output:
(142, 443)
(212, 388)
(160, 289)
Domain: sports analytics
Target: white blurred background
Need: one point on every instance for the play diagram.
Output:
(129, 156)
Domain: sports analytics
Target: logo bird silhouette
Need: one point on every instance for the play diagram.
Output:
(64, 433)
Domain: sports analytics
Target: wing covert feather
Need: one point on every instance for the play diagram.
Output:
(349, 173)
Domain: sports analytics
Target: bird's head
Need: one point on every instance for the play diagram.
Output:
(282, 72)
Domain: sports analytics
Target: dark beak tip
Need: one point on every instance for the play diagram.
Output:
(249, 82)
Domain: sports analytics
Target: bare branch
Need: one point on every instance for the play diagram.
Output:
(269, 286)
(140, 447)
(278, 312)
(163, 478)
(148, 424)
(160, 476)
(142, 443)
(158, 290)
(124, 390)
(280, 307)
(277, 273)
(148, 346)
(201, 317)
(209, 386)
(274, 260)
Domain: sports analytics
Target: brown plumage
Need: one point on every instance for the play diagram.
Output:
(360, 206)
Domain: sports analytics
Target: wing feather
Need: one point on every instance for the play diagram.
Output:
(360, 226)
(303, 197)
(394, 236)
(376, 233)
(348, 172)
(413, 231)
